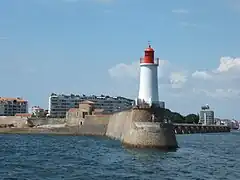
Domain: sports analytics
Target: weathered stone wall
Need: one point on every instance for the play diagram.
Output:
(118, 124)
(97, 119)
(21, 121)
(121, 122)
(149, 134)
(135, 127)
(15, 120)
(94, 125)
(90, 125)
(45, 121)
(89, 119)
(145, 114)
(74, 121)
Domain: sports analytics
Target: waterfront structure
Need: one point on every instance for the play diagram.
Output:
(23, 115)
(59, 104)
(148, 86)
(233, 124)
(206, 116)
(37, 111)
(144, 124)
(13, 106)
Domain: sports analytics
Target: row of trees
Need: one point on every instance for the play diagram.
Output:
(178, 118)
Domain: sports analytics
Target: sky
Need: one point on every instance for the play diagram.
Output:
(93, 47)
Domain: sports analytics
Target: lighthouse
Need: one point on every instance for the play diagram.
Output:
(148, 85)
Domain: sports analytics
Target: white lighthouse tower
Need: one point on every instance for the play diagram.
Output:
(148, 87)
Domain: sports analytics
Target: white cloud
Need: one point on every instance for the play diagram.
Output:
(229, 64)
(180, 11)
(178, 79)
(201, 75)
(186, 90)
(226, 93)
(124, 70)
(132, 70)
(168, 74)
(221, 82)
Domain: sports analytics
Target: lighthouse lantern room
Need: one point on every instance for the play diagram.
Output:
(148, 85)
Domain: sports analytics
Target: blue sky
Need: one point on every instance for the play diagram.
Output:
(93, 47)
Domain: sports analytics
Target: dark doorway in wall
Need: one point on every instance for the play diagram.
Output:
(84, 114)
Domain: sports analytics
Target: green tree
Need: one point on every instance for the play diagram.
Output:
(174, 116)
(178, 118)
(191, 119)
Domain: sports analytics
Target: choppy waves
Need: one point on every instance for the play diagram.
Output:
(200, 157)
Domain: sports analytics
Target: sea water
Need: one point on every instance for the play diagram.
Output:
(52, 157)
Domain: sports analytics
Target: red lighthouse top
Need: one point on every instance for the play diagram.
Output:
(148, 55)
(149, 49)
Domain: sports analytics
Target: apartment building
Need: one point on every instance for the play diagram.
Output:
(59, 104)
(13, 106)
(206, 116)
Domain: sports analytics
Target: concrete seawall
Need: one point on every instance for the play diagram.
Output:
(21, 121)
(118, 123)
(134, 128)
(94, 125)
(45, 121)
(13, 120)
(90, 125)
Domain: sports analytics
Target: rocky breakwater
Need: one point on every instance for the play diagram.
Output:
(142, 127)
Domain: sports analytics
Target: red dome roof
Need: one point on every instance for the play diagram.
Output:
(149, 49)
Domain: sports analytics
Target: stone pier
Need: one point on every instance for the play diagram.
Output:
(142, 127)
(198, 128)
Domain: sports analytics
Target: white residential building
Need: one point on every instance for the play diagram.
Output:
(59, 104)
(206, 116)
(13, 106)
(233, 124)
